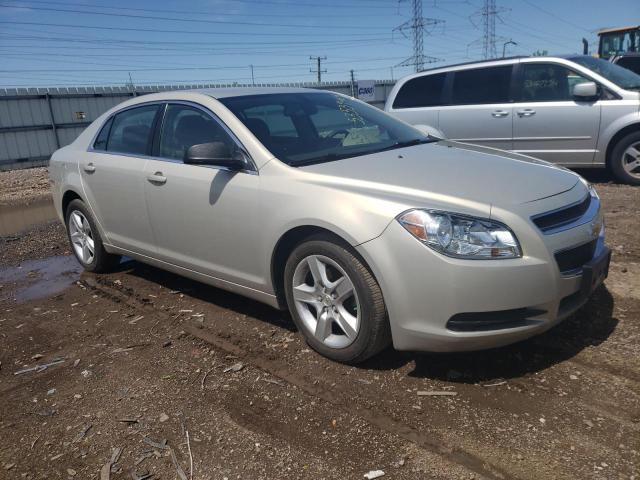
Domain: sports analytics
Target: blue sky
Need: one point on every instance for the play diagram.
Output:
(53, 43)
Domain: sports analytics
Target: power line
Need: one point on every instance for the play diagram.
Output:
(286, 44)
(189, 20)
(418, 25)
(181, 32)
(218, 14)
(557, 17)
(199, 68)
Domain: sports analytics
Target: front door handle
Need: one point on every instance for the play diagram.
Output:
(527, 112)
(499, 113)
(89, 168)
(157, 178)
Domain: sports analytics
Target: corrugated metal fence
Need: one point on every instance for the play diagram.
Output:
(34, 122)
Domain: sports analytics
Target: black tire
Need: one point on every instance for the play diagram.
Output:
(374, 333)
(617, 159)
(102, 261)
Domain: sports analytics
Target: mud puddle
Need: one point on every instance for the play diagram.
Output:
(39, 278)
(16, 218)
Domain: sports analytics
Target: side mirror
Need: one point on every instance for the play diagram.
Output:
(215, 153)
(585, 91)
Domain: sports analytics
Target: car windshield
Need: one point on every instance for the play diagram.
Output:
(316, 127)
(620, 76)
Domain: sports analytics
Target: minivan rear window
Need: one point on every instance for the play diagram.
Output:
(481, 86)
(425, 91)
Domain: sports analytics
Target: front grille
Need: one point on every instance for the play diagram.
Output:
(574, 258)
(497, 320)
(565, 216)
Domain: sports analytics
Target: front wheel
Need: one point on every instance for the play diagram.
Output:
(625, 159)
(85, 239)
(335, 301)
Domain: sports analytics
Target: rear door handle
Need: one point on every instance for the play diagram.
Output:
(89, 168)
(527, 112)
(157, 178)
(499, 113)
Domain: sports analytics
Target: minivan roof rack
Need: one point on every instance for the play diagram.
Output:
(515, 57)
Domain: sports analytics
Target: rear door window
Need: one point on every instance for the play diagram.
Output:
(131, 130)
(481, 86)
(425, 91)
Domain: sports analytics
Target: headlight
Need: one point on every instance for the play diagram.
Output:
(590, 187)
(461, 236)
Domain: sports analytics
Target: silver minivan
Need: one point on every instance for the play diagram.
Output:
(576, 111)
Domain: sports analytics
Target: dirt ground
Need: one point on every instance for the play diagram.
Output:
(149, 373)
(23, 186)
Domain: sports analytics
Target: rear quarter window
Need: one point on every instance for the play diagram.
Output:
(425, 91)
(103, 136)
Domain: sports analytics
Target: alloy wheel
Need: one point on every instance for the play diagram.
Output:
(631, 160)
(326, 301)
(81, 237)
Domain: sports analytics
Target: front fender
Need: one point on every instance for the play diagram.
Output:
(612, 124)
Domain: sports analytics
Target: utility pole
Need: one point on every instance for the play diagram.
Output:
(318, 69)
(417, 26)
(504, 46)
(132, 86)
(488, 14)
(353, 85)
(253, 81)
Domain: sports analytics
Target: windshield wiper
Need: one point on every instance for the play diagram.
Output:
(410, 143)
(329, 157)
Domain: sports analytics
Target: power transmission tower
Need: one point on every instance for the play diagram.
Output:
(487, 15)
(417, 27)
(318, 69)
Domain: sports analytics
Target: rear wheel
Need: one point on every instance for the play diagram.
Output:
(335, 301)
(85, 240)
(625, 159)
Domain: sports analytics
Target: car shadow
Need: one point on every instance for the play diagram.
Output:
(206, 293)
(596, 175)
(589, 326)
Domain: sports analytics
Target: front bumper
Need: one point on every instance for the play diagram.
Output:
(509, 300)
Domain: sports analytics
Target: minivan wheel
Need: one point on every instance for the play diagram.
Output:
(85, 240)
(335, 301)
(625, 159)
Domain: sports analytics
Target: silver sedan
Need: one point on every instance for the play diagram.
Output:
(368, 231)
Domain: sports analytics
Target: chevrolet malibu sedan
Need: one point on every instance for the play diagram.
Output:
(368, 231)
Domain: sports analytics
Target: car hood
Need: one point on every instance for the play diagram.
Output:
(450, 169)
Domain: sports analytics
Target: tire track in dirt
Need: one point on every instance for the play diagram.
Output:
(430, 442)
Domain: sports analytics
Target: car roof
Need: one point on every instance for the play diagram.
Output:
(216, 93)
(245, 91)
(490, 62)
